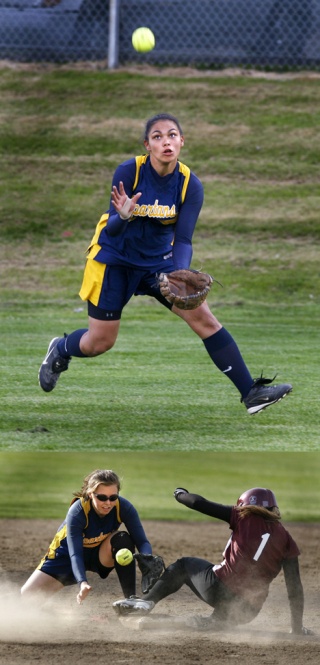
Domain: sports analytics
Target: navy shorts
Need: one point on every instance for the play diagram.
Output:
(60, 567)
(109, 288)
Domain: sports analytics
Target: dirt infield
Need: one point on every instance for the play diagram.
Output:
(63, 632)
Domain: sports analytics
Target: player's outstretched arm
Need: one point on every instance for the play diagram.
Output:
(202, 505)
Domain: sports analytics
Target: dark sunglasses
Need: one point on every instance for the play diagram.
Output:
(104, 497)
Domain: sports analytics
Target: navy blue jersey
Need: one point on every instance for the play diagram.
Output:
(84, 528)
(162, 223)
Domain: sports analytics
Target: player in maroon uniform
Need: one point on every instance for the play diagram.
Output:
(237, 588)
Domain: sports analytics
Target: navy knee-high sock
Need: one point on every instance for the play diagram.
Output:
(70, 345)
(127, 578)
(225, 354)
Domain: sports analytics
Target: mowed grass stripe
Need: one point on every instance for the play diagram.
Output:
(46, 481)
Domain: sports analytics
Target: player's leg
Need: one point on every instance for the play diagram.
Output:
(105, 553)
(107, 290)
(102, 560)
(219, 344)
(99, 338)
(83, 343)
(191, 571)
(126, 574)
(256, 394)
(40, 583)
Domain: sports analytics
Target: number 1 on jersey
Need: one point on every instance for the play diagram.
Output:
(264, 539)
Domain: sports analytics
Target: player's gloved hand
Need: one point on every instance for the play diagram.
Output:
(302, 631)
(179, 490)
(151, 567)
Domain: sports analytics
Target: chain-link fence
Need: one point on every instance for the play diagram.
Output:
(198, 33)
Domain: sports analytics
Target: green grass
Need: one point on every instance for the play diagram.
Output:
(157, 389)
(255, 144)
(34, 485)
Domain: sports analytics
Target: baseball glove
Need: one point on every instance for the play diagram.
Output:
(186, 289)
(151, 568)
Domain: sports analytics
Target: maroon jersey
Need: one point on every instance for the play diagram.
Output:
(253, 556)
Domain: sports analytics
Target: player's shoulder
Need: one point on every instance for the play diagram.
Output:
(124, 502)
(75, 503)
(194, 183)
(77, 506)
(194, 179)
(125, 505)
(127, 166)
(186, 170)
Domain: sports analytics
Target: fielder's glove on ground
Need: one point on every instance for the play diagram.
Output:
(186, 289)
(151, 568)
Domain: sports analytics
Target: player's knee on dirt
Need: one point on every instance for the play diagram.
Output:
(121, 540)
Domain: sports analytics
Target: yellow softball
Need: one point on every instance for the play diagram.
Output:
(143, 40)
(124, 557)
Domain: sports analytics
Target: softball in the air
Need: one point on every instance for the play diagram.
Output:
(143, 40)
(124, 557)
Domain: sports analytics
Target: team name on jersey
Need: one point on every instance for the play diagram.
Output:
(163, 212)
(92, 542)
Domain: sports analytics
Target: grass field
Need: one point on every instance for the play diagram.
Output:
(157, 389)
(41, 485)
(254, 141)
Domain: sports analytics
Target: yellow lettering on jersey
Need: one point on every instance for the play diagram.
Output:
(164, 213)
(93, 542)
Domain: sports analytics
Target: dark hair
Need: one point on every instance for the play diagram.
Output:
(271, 514)
(95, 478)
(160, 116)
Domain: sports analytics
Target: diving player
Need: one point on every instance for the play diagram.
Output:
(148, 228)
(89, 538)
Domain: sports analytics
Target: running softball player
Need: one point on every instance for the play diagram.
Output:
(155, 203)
(237, 588)
(89, 538)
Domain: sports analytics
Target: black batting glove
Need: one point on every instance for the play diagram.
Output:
(179, 490)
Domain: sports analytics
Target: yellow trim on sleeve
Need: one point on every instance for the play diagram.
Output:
(186, 172)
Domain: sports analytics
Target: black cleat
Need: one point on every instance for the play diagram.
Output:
(133, 605)
(52, 366)
(262, 395)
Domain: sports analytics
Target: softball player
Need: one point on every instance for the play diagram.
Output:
(237, 588)
(89, 538)
(148, 228)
